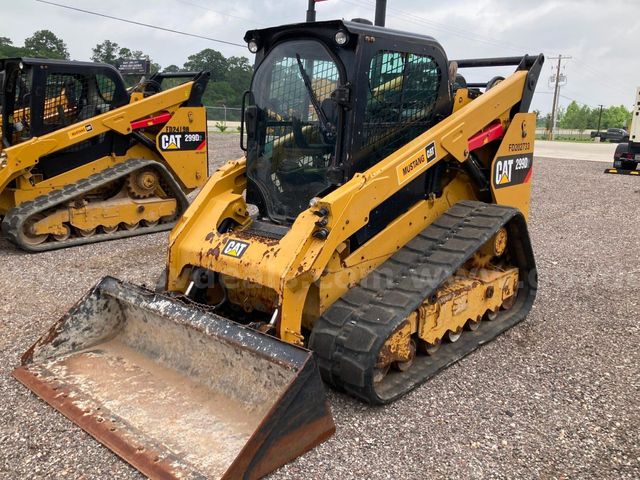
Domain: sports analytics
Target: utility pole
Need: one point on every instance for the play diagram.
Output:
(556, 93)
(599, 118)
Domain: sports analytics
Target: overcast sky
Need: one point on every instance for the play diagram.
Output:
(601, 36)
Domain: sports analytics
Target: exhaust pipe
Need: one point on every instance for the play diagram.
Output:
(176, 391)
(311, 11)
(381, 12)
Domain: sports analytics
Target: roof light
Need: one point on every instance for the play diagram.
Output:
(253, 45)
(341, 37)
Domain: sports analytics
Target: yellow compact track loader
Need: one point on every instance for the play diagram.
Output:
(84, 160)
(378, 220)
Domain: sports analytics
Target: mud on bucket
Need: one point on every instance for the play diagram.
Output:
(175, 391)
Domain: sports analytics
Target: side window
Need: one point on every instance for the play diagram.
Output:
(106, 91)
(15, 104)
(403, 90)
(22, 88)
(62, 103)
(71, 98)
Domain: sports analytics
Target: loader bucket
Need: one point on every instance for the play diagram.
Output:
(176, 391)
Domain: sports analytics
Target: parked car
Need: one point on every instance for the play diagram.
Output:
(614, 135)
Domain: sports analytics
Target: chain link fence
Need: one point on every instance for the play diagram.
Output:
(223, 119)
(223, 114)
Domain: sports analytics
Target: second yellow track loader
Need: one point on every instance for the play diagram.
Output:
(378, 220)
(84, 160)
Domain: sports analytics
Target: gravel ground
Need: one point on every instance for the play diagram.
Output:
(555, 397)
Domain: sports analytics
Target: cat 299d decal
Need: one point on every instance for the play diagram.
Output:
(512, 170)
(182, 141)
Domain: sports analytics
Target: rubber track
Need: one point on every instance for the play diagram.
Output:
(15, 219)
(350, 333)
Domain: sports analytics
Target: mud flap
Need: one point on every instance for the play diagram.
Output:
(175, 391)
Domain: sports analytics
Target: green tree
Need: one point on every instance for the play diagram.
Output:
(239, 66)
(113, 54)
(592, 122)
(44, 43)
(171, 69)
(106, 52)
(576, 117)
(239, 72)
(210, 60)
(616, 117)
(7, 49)
(218, 94)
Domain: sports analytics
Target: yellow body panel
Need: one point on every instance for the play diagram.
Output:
(109, 213)
(515, 152)
(28, 191)
(465, 298)
(190, 166)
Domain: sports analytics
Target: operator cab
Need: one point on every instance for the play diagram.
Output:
(330, 99)
(40, 96)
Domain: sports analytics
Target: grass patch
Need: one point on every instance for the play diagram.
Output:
(567, 138)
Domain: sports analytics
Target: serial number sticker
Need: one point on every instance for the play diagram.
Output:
(519, 147)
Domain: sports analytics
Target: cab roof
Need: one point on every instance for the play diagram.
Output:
(355, 28)
(52, 62)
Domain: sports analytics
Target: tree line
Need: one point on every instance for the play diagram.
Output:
(583, 117)
(230, 76)
(43, 44)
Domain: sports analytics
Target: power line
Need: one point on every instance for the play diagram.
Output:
(566, 97)
(197, 5)
(418, 20)
(598, 75)
(170, 30)
(574, 100)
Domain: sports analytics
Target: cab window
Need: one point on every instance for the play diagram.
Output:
(402, 95)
